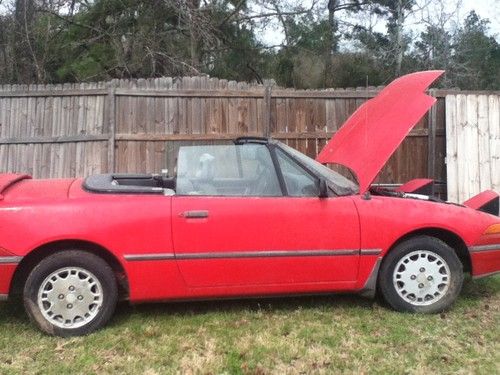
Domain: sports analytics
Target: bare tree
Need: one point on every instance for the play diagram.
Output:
(440, 18)
(398, 13)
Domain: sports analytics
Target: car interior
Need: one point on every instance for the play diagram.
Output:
(215, 170)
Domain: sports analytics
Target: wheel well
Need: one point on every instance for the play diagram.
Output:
(36, 255)
(450, 238)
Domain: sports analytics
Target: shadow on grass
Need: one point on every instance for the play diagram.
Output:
(258, 304)
(12, 311)
(480, 289)
(474, 291)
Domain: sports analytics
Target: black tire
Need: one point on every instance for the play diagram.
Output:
(395, 291)
(81, 260)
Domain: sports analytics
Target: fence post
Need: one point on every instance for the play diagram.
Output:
(267, 108)
(111, 126)
(431, 141)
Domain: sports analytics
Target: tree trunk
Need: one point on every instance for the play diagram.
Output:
(399, 37)
(333, 27)
(24, 54)
(332, 42)
(194, 6)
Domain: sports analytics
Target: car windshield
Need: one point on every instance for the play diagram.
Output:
(340, 185)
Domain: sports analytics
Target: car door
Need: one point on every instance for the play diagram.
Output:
(264, 234)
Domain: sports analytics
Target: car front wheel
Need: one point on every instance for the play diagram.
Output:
(422, 274)
(70, 293)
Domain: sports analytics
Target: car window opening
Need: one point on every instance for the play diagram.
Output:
(238, 170)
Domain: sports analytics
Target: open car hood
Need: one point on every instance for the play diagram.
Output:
(371, 135)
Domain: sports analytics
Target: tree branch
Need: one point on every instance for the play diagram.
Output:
(68, 20)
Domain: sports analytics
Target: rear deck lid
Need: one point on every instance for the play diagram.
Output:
(371, 135)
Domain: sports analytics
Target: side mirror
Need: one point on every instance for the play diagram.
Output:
(323, 189)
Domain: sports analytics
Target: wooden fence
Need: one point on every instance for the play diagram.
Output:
(138, 125)
(473, 144)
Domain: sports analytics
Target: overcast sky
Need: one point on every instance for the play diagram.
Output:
(272, 35)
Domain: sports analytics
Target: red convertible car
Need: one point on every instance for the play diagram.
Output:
(248, 219)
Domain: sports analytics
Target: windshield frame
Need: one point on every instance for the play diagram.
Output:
(321, 171)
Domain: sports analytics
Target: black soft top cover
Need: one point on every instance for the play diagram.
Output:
(128, 184)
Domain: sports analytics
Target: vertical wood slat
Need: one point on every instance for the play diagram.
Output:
(461, 144)
(451, 147)
(111, 114)
(471, 144)
(484, 156)
(432, 124)
(494, 127)
(267, 111)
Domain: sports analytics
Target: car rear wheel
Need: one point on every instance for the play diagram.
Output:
(70, 293)
(422, 274)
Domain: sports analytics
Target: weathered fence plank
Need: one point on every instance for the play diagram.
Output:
(494, 128)
(451, 148)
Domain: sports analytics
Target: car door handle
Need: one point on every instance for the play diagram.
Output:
(200, 214)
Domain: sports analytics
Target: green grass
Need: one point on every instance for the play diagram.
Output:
(341, 334)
